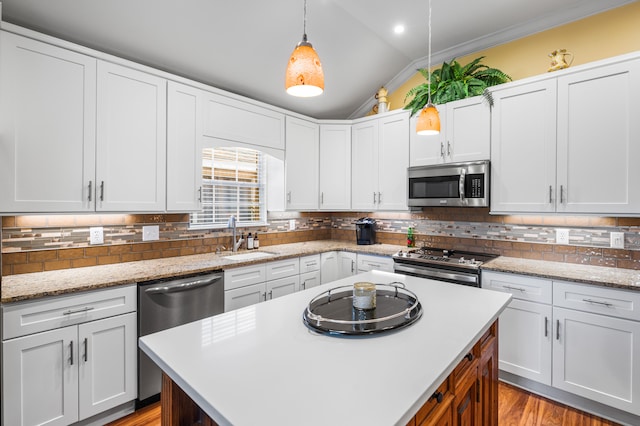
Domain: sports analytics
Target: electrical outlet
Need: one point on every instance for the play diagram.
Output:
(150, 233)
(562, 236)
(292, 224)
(617, 240)
(96, 235)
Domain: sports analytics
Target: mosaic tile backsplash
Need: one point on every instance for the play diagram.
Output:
(35, 243)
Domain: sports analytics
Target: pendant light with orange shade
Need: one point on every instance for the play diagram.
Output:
(429, 118)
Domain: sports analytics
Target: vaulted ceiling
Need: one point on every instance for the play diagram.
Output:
(243, 45)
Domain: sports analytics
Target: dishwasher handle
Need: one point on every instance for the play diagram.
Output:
(182, 285)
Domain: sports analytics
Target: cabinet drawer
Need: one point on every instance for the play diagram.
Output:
(282, 268)
(367, 262)
(521, 287)
(24, 318)
(599, 300)
(244, 276)
(309, 263)
(432, 403)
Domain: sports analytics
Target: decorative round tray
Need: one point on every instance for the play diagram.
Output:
(332, 312)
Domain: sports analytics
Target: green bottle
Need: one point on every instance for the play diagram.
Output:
(411, 239)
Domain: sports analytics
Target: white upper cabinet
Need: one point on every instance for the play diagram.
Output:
(243, 122)
(335, 166)
(599, 140)
(184, 147)
(465, 134)
(379, 159)
(301, 164)
(131, 140)
(523, 148)
(47, 127)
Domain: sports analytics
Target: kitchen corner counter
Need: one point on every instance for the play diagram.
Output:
(627, 279)
(51, 283)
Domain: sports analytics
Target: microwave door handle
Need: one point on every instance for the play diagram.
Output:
(461, 184)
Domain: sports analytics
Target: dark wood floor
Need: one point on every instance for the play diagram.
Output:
(516, 408)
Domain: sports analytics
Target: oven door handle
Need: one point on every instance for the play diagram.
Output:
(183, 286)
(437, 273)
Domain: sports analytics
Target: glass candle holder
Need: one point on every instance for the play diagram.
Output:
(364, 295)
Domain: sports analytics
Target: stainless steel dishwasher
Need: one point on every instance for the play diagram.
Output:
(167, 303)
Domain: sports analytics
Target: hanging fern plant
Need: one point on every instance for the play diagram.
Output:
(453, 81)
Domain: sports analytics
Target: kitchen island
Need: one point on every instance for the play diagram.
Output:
(262, 365)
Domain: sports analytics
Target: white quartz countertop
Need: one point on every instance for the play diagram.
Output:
(262, 365)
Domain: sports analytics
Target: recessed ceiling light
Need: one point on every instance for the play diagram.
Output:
(398, 29)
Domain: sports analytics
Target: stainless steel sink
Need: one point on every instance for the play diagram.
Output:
(249, 256)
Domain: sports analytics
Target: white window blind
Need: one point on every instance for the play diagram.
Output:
(233, 183)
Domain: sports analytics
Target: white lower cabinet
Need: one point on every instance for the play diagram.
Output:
(583, 339)
(67, 374)
(309, 280)
(329, 267)
(347, 264)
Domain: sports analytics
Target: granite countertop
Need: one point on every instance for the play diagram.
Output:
(264, 354)
(50, 283)
(628, 279)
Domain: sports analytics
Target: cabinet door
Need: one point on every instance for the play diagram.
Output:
(40, 383)
(426, 150)
(184, 148)
(598, 134)
(47, 127)
(335, 166)
(525, 340)
(468, 130)
(107, 360)
(329, 267)
(523, 148)
(465, 402)
(282, 287)
(244, 296)
(488, 379)
(596, 357)
(309, 280)
(364, 166)
(131, 140)
(442, 415)
(301, 165)
(393, 160)
(347, 264)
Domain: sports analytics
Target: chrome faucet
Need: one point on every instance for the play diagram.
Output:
(232, 224)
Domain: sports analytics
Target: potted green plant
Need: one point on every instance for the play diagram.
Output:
(453, 81)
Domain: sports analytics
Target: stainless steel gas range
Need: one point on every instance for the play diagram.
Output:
(454, 266)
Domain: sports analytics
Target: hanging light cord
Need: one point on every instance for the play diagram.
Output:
(429, 57)
(304, 22)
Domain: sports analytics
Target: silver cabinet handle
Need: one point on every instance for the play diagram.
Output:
(561, 194)
(550, 195)
(90, 189)
(557, 329)
(352, 265)
(546, 326)
(78, 311)
(289, 196)
(514, 288)
(374, 198)
(448, 149)
(71, 352)
(200, 194)
(442, 149)
(303, 285)
(264, 296)
(322, 198)
(183, 285)
(379, 197)
(598, 302)
(86, 350)
(270, 294)
(101, 190)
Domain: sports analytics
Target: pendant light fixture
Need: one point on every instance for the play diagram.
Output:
(304, 76)
(429, 118)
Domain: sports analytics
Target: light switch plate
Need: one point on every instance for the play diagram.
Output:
(96, 235)
(150, 233)
(292, 225)
(562, 236)
(617, 240)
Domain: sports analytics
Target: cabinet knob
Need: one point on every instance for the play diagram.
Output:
(469, 356)
(438, 396)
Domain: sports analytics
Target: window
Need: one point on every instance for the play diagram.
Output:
(233, 183)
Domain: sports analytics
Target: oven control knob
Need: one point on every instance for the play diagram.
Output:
(461, 260)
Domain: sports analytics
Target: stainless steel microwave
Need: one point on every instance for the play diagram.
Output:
(453, 185)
